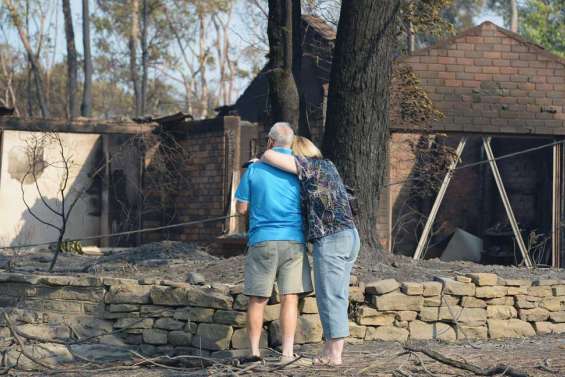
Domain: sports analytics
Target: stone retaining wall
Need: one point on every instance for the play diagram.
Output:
(175, 317)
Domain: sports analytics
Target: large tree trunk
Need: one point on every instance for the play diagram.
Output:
(297, 50)
(144, 56)
(72, 64)
(514, 16)
(133, 47)
(34, 63)
(86, 107)
(283, 92)
(357, 117)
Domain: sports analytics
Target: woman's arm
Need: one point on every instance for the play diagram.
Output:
(280, 160)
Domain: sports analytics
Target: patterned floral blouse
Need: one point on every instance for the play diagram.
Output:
(324, 198)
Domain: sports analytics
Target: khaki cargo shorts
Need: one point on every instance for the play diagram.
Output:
(285, 262)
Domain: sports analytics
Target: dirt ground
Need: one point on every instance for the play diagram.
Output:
(174, 260)
(537, 356)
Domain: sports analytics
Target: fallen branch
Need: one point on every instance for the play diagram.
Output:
(286, 365)
(151, 361)
(144, 361)
(422, 364)
(248, 368)
(507, 370)
(382, 362)
(21, 344)
(174, 358)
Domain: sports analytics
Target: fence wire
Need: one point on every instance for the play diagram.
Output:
(109, 235)
(214, 219)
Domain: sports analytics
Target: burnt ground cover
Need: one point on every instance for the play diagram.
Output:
(538, 356)
(175, 260)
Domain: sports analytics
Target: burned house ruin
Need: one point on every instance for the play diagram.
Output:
(502, 100)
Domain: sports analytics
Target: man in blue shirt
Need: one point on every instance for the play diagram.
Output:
(276, 246)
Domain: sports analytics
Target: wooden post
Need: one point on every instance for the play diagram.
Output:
(1, 151)
(506, 202)
(556, 207)
(232, 128)
(439, 198)
(105, 195)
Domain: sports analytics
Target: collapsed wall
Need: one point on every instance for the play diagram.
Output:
(161, 316)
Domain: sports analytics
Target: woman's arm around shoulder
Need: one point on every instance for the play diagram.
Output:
(282, 161)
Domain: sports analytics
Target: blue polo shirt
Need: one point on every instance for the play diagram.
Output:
(274, 203)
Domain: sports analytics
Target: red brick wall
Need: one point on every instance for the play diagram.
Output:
(206, 196)
(202, 191)
(487, 77)
(484, 77)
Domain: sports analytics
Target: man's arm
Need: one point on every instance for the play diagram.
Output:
(241, 207)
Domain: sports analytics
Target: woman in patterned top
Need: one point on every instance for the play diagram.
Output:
(331, 230)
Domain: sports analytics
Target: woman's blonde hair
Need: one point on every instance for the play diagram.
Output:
(302, 146)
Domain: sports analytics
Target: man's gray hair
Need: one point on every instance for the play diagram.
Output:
(282, 134)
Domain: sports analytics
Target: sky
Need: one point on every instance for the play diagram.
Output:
(76, 6)
(240, 33)
(490, 16)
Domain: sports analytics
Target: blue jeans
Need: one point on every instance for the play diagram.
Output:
(334, 256)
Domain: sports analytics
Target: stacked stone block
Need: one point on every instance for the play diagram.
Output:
(476, 306)
(175, 317)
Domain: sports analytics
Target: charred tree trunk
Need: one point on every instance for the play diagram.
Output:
(72, 64)
(283, 92)
(33, 62)
(410, 38)
(86, 107)
(297, 41)
(514, 15)
(221, 61)
(29, 91)
(133, 47)
(202, 61)
(144, 56)
(358, 120)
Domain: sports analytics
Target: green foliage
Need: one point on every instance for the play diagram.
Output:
(426, 16)
(462, 13)
(543, 22)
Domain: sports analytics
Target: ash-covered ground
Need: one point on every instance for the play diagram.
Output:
(175, 260)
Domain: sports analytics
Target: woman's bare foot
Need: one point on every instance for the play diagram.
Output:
(330, 354)
(336, 350)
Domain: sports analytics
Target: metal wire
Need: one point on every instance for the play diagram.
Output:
(213, 219)
(509, 155)
(482, 162)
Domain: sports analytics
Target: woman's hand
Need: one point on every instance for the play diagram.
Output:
(252, 161)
